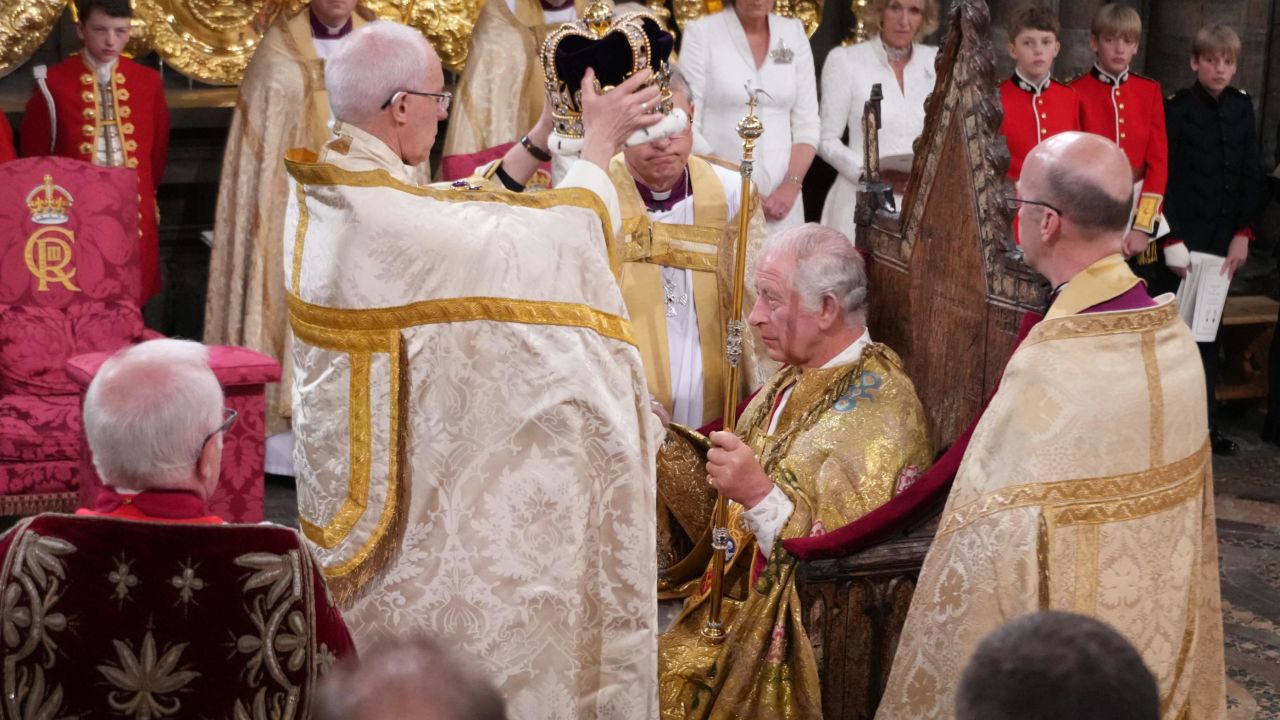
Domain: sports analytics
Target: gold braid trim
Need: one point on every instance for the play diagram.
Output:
(344, 328)
(346, 580)
(1093, 500)
(1095, 324)
(302, 167)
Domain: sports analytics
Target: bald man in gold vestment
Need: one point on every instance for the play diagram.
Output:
(1086, 486)
(829, 438)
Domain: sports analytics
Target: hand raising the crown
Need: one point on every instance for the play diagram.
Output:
(609, 118)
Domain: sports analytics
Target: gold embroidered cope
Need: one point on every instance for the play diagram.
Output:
(475, 449)
(1086, 487)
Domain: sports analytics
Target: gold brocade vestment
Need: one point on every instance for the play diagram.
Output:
(1086, 487)
(845, 438)
(502, 88)
(706, 248)
(474, 445)
(282, 105)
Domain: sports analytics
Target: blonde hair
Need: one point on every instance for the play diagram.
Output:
(1216, 40)
(870, 17)
(1116, 19)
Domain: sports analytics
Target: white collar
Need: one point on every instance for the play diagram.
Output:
(1030, 86)
(364, 146)
(852, 353)
(101, 70)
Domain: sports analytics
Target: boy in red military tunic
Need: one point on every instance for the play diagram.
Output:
(1129, 109)
(6, 140)
(108, 110)
(1035, 105)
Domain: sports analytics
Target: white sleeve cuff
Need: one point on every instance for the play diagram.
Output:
(1177, 255)
(767, 519)
(589, 176)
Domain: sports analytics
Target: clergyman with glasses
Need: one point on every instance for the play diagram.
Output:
(474, 445)
(1087, 484)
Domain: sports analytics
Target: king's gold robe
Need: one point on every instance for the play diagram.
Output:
(844, 440)
(706, 247)
(475, 449)
(1087, 488)
(282, 105)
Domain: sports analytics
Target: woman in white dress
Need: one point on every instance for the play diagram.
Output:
(903, 67)
(747, 44)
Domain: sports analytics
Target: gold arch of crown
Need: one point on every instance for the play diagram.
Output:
(598, 23)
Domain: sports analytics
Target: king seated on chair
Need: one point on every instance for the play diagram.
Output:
(148, 601)
(833, 435)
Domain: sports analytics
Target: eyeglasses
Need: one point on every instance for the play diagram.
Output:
(1012, 203)
(229, 419)
(444, 98)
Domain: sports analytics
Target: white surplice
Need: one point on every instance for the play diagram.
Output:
(717, 61)
(847, 78)
(475, 449)
(683, 341)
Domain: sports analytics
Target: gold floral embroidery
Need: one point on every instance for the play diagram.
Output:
(36, 573)
(122, 579)
(187, 583)
(143, 680)
(282, 634)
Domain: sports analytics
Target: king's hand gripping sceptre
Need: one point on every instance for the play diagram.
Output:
(749, 129)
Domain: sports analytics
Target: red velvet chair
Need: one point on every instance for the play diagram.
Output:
(69, 277)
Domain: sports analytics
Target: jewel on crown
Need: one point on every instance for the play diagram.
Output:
(49, 203)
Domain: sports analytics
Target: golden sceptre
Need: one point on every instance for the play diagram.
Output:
(749, 129)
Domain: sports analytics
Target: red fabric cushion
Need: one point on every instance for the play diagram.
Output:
(36, 342)
(37, 478)
(39, 428)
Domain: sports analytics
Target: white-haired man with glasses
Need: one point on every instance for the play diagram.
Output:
(154, 419)
(473, 430)
(1087, 484)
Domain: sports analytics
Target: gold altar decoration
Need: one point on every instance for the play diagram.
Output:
(809, 12)
(24, 25)
(212, 40)
(858, 33)
(208, 40)
(446, 23)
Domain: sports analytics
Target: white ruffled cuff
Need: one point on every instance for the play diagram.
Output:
(767, 518)
(674, 123)
(1176, 255)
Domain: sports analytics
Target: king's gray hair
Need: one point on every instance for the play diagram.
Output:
(148, 411)
(826, 264)
(373, 63)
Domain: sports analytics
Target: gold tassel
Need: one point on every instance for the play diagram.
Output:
(1148, 256)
